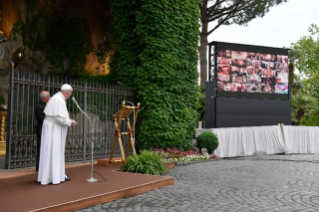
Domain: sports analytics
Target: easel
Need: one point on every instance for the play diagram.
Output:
(121, 115)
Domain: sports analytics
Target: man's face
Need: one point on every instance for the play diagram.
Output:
(47, 98)
(68, 94)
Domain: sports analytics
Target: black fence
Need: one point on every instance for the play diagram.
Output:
(99, 101)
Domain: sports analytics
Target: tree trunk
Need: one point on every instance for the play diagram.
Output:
(300, 114)
(203, 45)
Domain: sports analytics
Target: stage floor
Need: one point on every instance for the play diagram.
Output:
(20, 191)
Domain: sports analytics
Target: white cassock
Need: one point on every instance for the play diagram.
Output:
(54, 131)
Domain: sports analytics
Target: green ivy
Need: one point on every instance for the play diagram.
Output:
(37, 21)
(201, 111)
(157, 56)
(107, 46)
(15, 30)
(70, 39)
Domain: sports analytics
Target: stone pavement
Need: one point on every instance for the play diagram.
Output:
(254, 183)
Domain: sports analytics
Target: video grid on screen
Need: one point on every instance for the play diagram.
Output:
(239, 71)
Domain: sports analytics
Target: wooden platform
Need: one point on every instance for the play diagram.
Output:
(20, 191)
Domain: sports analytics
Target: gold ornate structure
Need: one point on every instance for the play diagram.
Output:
(123, 115)
(3, 116)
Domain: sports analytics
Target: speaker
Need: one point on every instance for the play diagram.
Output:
(210, 104)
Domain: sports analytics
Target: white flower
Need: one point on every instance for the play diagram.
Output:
(5, 107)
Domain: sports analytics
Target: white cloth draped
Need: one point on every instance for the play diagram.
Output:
(54, 131)
(302, 139)
(244, 141)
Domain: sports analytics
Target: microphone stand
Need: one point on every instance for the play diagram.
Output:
(91, 180)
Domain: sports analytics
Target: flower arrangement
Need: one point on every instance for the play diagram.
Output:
(179, 152)
(187, 158)
(4, 107)
(175, 152)
(176, 155)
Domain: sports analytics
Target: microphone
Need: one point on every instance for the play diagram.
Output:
(81, 110)
(91, 180)
(75, 101)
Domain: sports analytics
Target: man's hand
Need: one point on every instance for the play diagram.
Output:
(73, 122)
(12, 65)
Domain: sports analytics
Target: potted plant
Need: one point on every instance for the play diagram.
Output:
(207, 140)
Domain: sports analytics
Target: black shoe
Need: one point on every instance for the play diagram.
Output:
(67, 178)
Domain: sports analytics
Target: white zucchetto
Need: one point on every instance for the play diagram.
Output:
(66, 87)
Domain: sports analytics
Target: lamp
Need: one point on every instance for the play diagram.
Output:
(19, 55)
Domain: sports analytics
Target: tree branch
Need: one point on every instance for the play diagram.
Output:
(241, 8)
(236, 9)
(212, 8)
(218, 25)
(225, 9)
(232, 15)
(221, 22)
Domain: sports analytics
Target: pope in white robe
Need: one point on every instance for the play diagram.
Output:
(54, 131)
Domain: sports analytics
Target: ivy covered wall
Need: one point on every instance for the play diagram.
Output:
(157, 56)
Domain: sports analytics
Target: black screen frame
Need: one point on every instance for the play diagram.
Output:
(215, 46)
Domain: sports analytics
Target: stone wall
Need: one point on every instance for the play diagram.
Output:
(5, 65)
(90, 10)
(99, 126)
(11, 10)
(9, 13)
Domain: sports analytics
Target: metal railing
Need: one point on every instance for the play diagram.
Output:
(99, 101)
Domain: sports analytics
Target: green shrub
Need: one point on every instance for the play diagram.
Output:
(186, 144)
(310, 119)
(207, 140)
(145, 163)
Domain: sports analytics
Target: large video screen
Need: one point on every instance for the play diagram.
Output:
(239, 71)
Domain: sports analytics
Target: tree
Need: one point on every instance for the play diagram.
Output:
(226, 12)
(310, 119)
(297, 85)
(302, 105)
(293, 56)
(305, 56)
(308, 62)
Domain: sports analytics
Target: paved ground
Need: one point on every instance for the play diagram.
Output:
(255, 183)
